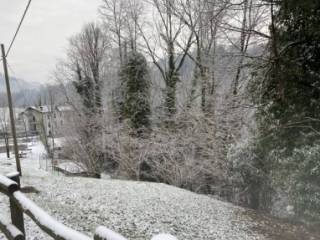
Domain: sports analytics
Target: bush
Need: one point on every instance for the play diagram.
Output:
(251, 185)
(183, 157)
(306, 183)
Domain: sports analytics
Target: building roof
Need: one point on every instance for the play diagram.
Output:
(42, 109)
(48, 109)
(64, 108)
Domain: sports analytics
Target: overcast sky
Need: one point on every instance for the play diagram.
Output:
(44, 34)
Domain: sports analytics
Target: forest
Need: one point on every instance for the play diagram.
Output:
(220, 97)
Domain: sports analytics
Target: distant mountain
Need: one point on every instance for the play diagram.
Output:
(23, 93)
(18, 84)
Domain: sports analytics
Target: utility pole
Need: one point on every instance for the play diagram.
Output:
(13, 127)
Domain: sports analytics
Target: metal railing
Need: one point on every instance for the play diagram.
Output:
(20, 204)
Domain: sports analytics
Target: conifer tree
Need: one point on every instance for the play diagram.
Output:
(289, 100)
(134, 75)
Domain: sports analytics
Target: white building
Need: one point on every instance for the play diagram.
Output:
(44, 119)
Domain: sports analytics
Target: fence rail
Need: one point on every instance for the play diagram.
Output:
(20, 204)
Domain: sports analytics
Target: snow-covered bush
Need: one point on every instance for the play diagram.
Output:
(305, 189)
(250, 182)
(84, 143)
(289, 185)
(183, 157)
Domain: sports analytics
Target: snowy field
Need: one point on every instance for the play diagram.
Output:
(139, 210)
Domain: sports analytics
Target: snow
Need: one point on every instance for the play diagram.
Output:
(107, 234)
(70, 167)
(135, 210)
(65, 108)
(6, 183)
(164, 237)
(9, 228)
(13, 174)
(46, 220)
(44, 108)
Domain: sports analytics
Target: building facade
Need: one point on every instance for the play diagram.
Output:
(46, 119)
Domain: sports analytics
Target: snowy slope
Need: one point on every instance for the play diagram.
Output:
(139, 210)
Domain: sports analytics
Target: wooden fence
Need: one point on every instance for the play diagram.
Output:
(20, 204)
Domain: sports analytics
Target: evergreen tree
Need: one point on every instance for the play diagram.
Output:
(292, 89)
(134, 75)
(289, 99)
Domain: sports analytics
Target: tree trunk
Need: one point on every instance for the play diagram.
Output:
(171, 82)
(243, 36)
(276, 63)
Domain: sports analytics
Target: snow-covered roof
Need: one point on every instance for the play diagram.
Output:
(43, 109)
(47, 108)
(64, 108)
(71, 167)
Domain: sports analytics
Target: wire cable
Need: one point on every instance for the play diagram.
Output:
(18, 28)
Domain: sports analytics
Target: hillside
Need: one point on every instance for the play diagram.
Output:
(139, 210)
(18, 84)
(23, 92)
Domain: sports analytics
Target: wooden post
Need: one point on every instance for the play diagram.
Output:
(13, 127)
(16, 213)
(10, 231)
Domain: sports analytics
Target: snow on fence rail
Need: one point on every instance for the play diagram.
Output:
(19, 204)
(10, 231)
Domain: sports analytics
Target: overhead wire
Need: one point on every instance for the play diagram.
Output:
(18, 29)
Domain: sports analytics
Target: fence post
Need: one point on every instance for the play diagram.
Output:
(16, 213)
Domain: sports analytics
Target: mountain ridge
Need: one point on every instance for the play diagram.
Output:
(18, 84)
(24, 93)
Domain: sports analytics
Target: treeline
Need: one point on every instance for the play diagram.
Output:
(219, 97)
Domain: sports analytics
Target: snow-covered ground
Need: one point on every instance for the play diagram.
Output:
(139, 210)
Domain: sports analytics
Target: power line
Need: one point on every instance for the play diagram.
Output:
(19, 26)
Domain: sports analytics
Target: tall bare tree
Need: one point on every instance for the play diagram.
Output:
(162, 47)
(203, 18)
(86, 55)
(121, 18)
(85, 64)
(112, 12)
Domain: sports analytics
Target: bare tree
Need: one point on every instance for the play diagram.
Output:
(85, 70)
(162, 47)
(245, 26)
(86, 57)
(121, 18)
(203, 18)
(112, 12)
(134, 14)
(51, 120)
